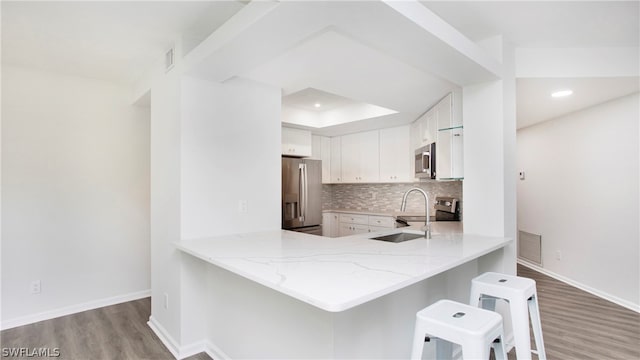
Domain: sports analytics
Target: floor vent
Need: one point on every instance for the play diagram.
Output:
(530, 247)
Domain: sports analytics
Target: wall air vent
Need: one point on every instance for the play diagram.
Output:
(530, 247)
(169, 60)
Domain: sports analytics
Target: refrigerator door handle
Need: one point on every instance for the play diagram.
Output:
(306, 192)
(301, 186)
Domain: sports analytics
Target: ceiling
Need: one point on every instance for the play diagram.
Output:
(360, 51)
(108, 40)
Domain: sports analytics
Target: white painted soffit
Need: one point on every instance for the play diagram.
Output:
(260, 32)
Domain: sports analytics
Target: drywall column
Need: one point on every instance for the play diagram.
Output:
(230, 171)
(489, 153)
(165, 203)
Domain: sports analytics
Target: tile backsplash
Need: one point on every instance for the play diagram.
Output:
(386, 197)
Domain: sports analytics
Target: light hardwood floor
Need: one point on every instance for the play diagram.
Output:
(112, 332)
(581, 326)
(576, 325)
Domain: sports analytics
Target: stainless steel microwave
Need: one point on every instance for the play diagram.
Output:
(426, 162)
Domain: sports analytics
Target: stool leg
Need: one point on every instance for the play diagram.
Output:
(499, 349)
(520, 321)
(418, 342)
(534, 312)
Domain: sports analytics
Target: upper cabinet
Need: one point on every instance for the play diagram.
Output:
(395, 155)
(449, 157)
(296, 142)
(321, 150)
(335, 167)
(360, 157)
(449, 142)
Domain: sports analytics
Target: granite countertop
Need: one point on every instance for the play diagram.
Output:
(336, 274)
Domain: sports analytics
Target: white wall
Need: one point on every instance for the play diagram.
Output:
(212, 145)
(230, 152)
(489, 152)
(581, 194)
(75, 206)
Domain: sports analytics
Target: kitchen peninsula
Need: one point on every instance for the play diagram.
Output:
(283, 294)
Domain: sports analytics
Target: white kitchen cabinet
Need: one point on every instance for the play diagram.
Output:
(330, 224)
(449, 156)
(428, 127)
(395, 154)
(296, 142)
(360, 157)
(449, 111)
(321, 150)
(347, 229)
(382, 221)
(443, 113)
(316, 147)
(335, 166)
(351, 224)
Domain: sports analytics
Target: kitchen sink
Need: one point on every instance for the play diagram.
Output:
(399, 237)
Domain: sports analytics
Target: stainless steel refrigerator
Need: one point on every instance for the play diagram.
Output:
(302, 195)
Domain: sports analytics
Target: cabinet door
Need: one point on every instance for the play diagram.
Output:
(449, 154)
(395, 156)
(296, 142)
(378, 228)
(429, 127)
(321, 150)
(443, 154)
(444, 113)
(350, 158)
(336, 159)
(335, 225)
(457, 153)
(327, 224)
(316, 147)
(361, 157)
(347, 229)
(370, 156)
(325, 156)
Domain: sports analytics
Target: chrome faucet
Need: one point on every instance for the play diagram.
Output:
(427, 221)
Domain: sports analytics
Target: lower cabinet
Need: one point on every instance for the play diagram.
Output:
(352, 224)
(330, 224)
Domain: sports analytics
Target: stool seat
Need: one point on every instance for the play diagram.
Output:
(522, 297)
(473, 328)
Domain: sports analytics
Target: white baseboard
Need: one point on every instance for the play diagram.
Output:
(215, 352)
(601, 294)
(164, 336)
(73, 309)
(181, 352)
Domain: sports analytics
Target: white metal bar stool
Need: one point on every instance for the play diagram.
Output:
(446, 322)
(522, 297)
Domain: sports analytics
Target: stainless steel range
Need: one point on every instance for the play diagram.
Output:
(447, 208)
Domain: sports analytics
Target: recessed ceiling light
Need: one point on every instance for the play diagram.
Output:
(561, 93)
(317, 105)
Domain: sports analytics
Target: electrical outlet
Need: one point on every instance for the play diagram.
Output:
(166, 301)
(558, 255)
(521, 175)
(243, 206)
(35, 287)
